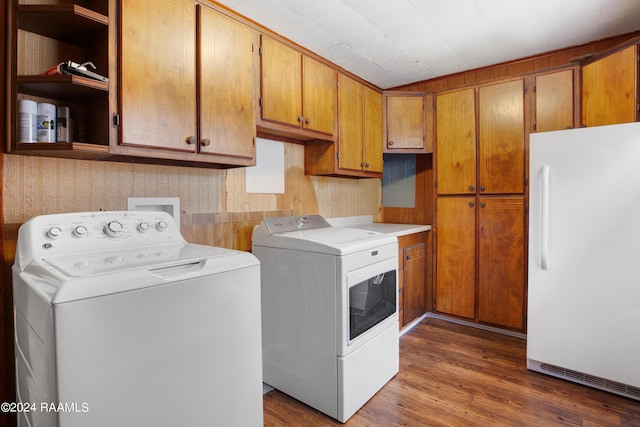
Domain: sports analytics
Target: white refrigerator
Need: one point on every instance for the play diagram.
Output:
(584, 257)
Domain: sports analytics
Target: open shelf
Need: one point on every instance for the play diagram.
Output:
(67, 87)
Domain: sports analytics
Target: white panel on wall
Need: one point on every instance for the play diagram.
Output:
(267, 176)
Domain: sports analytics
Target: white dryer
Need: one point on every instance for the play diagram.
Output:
(120, 322)
(329, 311)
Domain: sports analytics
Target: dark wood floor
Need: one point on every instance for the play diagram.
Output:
(454, 375)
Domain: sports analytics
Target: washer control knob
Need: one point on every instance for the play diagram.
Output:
(113, 229)
(80, 231)
(54, 233)
(143, 227)
(162, 226)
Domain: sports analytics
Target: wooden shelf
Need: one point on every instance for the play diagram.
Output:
(68, 150)
(69, 23)
(67, 87)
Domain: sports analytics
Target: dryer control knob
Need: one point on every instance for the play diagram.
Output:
(54, 233)
(162, 226)
(80, 231)
(113, 229)
(143, 227)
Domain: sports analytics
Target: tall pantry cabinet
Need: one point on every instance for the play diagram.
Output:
(480, 205)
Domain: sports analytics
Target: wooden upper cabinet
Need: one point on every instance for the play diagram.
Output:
(318, 96)
(456, 142)
(296, 90)
(350, 110)
(227, 118)
(360, 118)
(372, 137)
(554, 101)
(281, 82)
(610, 89)
(501, 138)
(407, 122)
(501, 261)
(158, 75)
(168, 104)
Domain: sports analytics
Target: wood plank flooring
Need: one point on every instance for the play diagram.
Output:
(455, 375)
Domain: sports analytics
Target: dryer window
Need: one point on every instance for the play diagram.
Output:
(370, 302)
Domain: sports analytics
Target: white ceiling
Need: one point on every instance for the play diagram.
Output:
(395, 42)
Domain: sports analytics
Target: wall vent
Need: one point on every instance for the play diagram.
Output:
(593, 381)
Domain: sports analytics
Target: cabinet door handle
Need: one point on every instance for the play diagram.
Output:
(471, 204)
(482, 205)
(301, 119)
(482, 188)
(205, 142)
(191, 140)
(390, 143)
(472, 188)
(308, 121)
(408, 257)
(366, 165)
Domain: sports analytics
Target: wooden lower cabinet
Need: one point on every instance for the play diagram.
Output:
(455, 256)
(501, 261)
(480, 268)
(412, 262)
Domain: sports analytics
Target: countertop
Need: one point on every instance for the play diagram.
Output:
(366, 223)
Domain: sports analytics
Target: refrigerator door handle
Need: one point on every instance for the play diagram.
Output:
(544, 220)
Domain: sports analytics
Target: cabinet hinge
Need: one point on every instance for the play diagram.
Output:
(116, 119)
(534, 89)
(260, 102)
(526, 210)
(338, 155)
(260, 50)
(435, 184)
(525, 90)
(526, 182)
(434, 302)
(534, 127)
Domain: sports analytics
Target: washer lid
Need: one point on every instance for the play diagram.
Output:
(158, 256)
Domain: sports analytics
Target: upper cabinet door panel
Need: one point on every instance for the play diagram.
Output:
(350, 124)
(227, 119)
(319, 96)
(281, 82)
(501, 138)
(609, 88)
(456, 142)
(554, 101)
(372, 142)
(405, 122)
(158, 74)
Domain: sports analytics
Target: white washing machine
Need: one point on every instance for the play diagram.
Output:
(120, 322)
(329, 311)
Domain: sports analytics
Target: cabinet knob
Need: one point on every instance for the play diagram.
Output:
(205, 142)
(390, 142)
(472, 188)
(482, 188)
(366, 165)
(471, 204)
(301, 119)
(190, 140)
(308, 121)
(482, 205)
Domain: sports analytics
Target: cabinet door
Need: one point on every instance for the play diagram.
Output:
(609, 89)
(501, 261)
(227, 118)
(501, 138)
(455, 256)
(414, 274)
(158, 74)
(405, 122)
(456, 142)
(319, 96)
(554, 101)
(281, 83)
(372, 138)
(350, 123)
